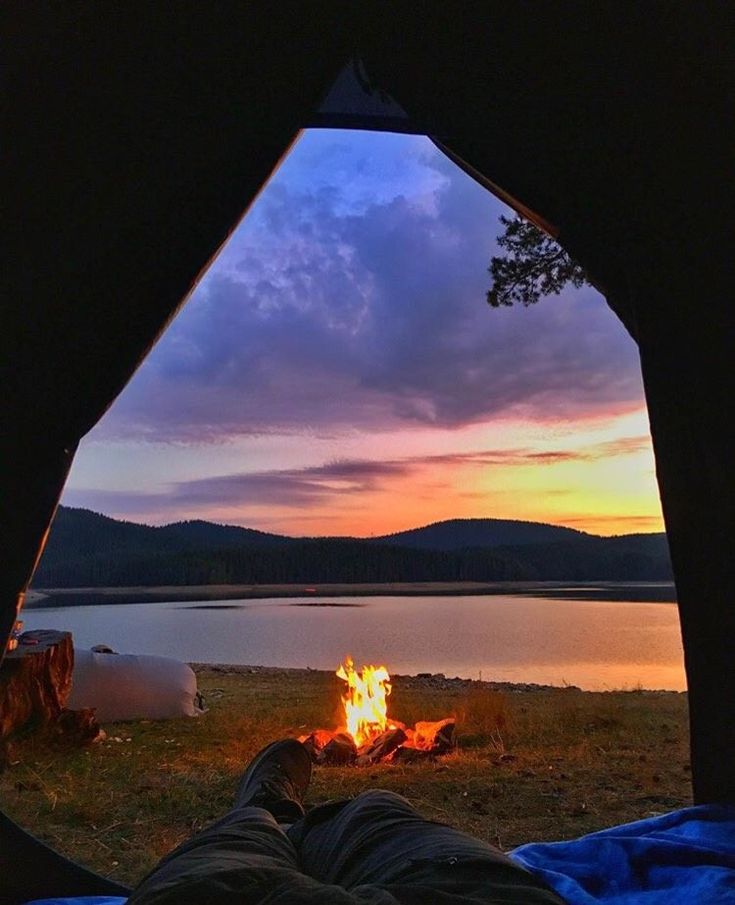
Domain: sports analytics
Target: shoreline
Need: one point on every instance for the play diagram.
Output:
(422, 681)
(632, 592)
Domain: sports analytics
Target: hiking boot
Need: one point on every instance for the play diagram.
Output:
(277, 779)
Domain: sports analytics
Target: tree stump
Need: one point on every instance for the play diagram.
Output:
(35, 680)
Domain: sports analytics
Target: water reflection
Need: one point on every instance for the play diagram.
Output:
(593, 644)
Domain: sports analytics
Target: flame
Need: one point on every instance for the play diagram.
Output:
(365, 700)
(424, 733)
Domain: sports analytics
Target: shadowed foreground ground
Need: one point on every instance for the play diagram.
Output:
(532, 764)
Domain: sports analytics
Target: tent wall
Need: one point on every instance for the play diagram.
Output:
(687, 338)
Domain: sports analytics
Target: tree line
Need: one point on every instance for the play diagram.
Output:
(324, 560)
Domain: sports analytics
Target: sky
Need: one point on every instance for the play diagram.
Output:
(337, 371)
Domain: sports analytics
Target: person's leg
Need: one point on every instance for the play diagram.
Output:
(246, 857)
(382, 851)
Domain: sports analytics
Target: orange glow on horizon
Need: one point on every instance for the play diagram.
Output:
(596, 476)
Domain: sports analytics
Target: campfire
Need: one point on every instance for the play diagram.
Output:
(368, 735)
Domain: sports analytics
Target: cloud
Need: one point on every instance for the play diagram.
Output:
(643, 524)
(296, 488)
(552, 457)
(621, 446)
(316, 486)
(334, 307)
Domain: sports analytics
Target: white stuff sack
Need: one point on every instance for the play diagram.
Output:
(133, 687)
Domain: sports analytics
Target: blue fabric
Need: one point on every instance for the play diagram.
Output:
(81, 900)
(685, 857)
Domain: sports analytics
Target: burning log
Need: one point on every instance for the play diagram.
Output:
(330, 749)
(438, 737)
(369, 737)
(430, 740)
(380, 748)
(316, 741)
(340, 751)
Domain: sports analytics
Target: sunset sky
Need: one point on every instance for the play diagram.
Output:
(337, 371)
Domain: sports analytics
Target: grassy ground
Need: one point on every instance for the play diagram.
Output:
(532, 765)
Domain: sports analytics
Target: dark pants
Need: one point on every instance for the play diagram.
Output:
(373, 850)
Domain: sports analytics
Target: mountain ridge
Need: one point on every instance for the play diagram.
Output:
(92, 549)
(454, 534)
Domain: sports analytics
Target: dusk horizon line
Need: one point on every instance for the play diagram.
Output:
(374, 535)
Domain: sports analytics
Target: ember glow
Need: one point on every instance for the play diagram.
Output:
(365, 701)
(368, 735)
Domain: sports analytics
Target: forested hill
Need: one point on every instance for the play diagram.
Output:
(461, 533)
(79, 532)
(86, 549)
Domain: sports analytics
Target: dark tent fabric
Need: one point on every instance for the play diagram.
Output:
(31, 870)
(138, 134)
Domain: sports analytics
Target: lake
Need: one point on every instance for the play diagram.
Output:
(595, 644)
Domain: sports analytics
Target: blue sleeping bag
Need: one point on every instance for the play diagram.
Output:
(685, 857)
(82, 900)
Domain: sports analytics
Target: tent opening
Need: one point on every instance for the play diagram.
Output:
(337, 357)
